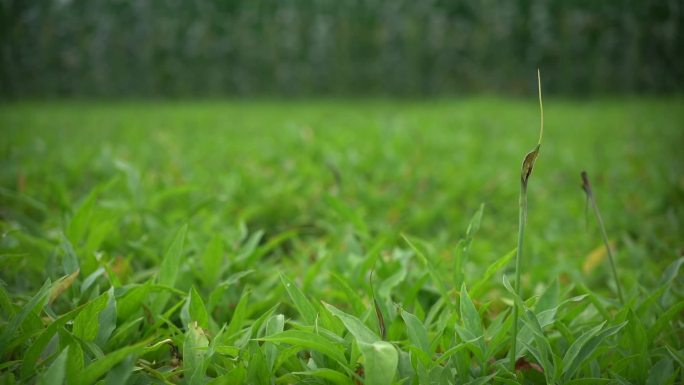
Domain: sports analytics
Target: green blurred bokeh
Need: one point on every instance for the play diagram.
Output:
(214, 48)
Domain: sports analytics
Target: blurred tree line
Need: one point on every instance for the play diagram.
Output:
(333, 47)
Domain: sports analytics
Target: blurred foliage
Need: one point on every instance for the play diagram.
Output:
(326, 47)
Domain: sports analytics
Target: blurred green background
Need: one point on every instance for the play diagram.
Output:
(212, 48)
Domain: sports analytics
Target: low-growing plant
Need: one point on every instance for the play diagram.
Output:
(124, 262)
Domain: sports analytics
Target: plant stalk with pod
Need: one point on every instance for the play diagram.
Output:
(526, 171)
(586, 186)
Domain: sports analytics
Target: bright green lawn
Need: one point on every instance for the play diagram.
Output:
(287, 204)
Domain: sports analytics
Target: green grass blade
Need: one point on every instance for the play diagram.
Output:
(34, 304)
(56, 372)
(170, 265)
(302, 304)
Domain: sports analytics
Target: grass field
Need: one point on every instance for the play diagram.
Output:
(233, 242)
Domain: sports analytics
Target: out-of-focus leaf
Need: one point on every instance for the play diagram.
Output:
(662, 373)
(238, 318)
(194, 365)
(213, 261)
(33, 305)
(274, 325)
(55, 373)
(170, 265)
(491, 270)
(327, 374)
(107, 319)
(131, 301)
(62, 284)
(120, 373)
(85, 324)
(580, 351)
(100, 367)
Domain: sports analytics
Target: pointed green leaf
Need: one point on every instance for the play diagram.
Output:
(239, 316)
(416, 332)
(54, 375)
(357, 328)
(212, 261)
(194, 365)
(309, 341)
(469, 315)
(85, 324)
(170, 265)
(100, 367)
(35, 304)
(302, 304)
(194, 310)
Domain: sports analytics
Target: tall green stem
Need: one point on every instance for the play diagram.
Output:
(526, 171)
(522, 218)
(590, 196)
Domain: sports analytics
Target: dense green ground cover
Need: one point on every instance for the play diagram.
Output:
(233, 242)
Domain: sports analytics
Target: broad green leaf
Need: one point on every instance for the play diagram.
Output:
(257, 372)
(676, 355)
(194, 311)
(213, 261)
(662, 373)
(54, 375)
(571, 358)
(85, 324)
(170, 265)
(580, 351)
(391, 282)
(589, 381)
(671, 271)
(381, 358)
(327, 374)
(70, 262)
(360, 331)
(489, 273)
(309, 341)
(35, 304)
(100, 367)
(274, 325)
(120, 373)
(131, 302)
(107, 319)
(636, 341)
(248, 249)
(548, 299)
(346, 213)
(416, 332)
(62, 284)
(434, 273)
(302, 304)
(674, 312)
(78, 226)
(194, 365)
(469, 315)
(545, 353)
(235, 376)
(239, 316)
(30, 359)
(75, 359)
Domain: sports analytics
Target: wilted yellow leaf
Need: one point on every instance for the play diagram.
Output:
(64, 283)
(595, 257)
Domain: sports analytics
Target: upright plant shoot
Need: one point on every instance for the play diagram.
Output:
(526, 171)
(586, 186)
